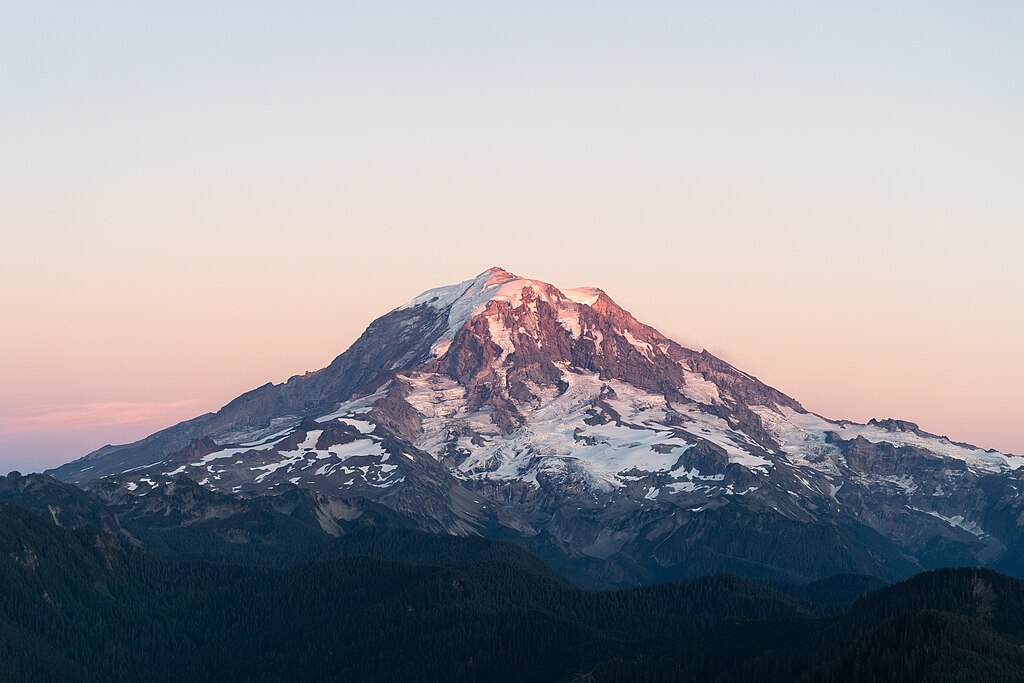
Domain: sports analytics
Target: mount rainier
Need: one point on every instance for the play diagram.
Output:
(505, 407)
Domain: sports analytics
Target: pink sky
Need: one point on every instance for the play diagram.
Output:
(827, 197)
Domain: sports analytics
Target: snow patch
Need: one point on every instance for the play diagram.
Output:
(587, 296)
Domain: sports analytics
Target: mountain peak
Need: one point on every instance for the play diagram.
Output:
(471, 298)
(504, 402)
(497, 273)
(587, 296)
(496, 283)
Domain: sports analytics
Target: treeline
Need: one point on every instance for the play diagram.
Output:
(396, 605)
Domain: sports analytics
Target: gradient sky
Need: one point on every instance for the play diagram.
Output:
(197, 198)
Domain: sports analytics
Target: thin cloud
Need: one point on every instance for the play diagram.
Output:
(69, 417)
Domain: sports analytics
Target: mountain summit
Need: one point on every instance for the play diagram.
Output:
(505, 406)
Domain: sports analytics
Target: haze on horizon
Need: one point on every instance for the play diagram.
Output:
(200, 199)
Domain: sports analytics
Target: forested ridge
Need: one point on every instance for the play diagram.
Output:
(80, 605)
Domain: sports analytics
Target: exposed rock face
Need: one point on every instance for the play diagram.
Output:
(506, 406)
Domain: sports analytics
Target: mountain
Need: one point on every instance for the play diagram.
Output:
(508, 408)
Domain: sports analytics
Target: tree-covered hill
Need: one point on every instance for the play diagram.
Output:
(398, 605)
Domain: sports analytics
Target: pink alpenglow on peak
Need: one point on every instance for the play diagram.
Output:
(498, 401)
(587, 296)
(471, 298)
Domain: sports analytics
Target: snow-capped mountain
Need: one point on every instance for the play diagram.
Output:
(506, 406)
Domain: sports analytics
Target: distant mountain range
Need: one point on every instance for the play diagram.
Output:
(506, 408)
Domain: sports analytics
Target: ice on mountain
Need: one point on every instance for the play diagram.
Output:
(587, 296)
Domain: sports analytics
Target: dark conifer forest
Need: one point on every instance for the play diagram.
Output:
(400, 605)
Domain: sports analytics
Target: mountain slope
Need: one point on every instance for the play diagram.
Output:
(504, 406)
(77, 605)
